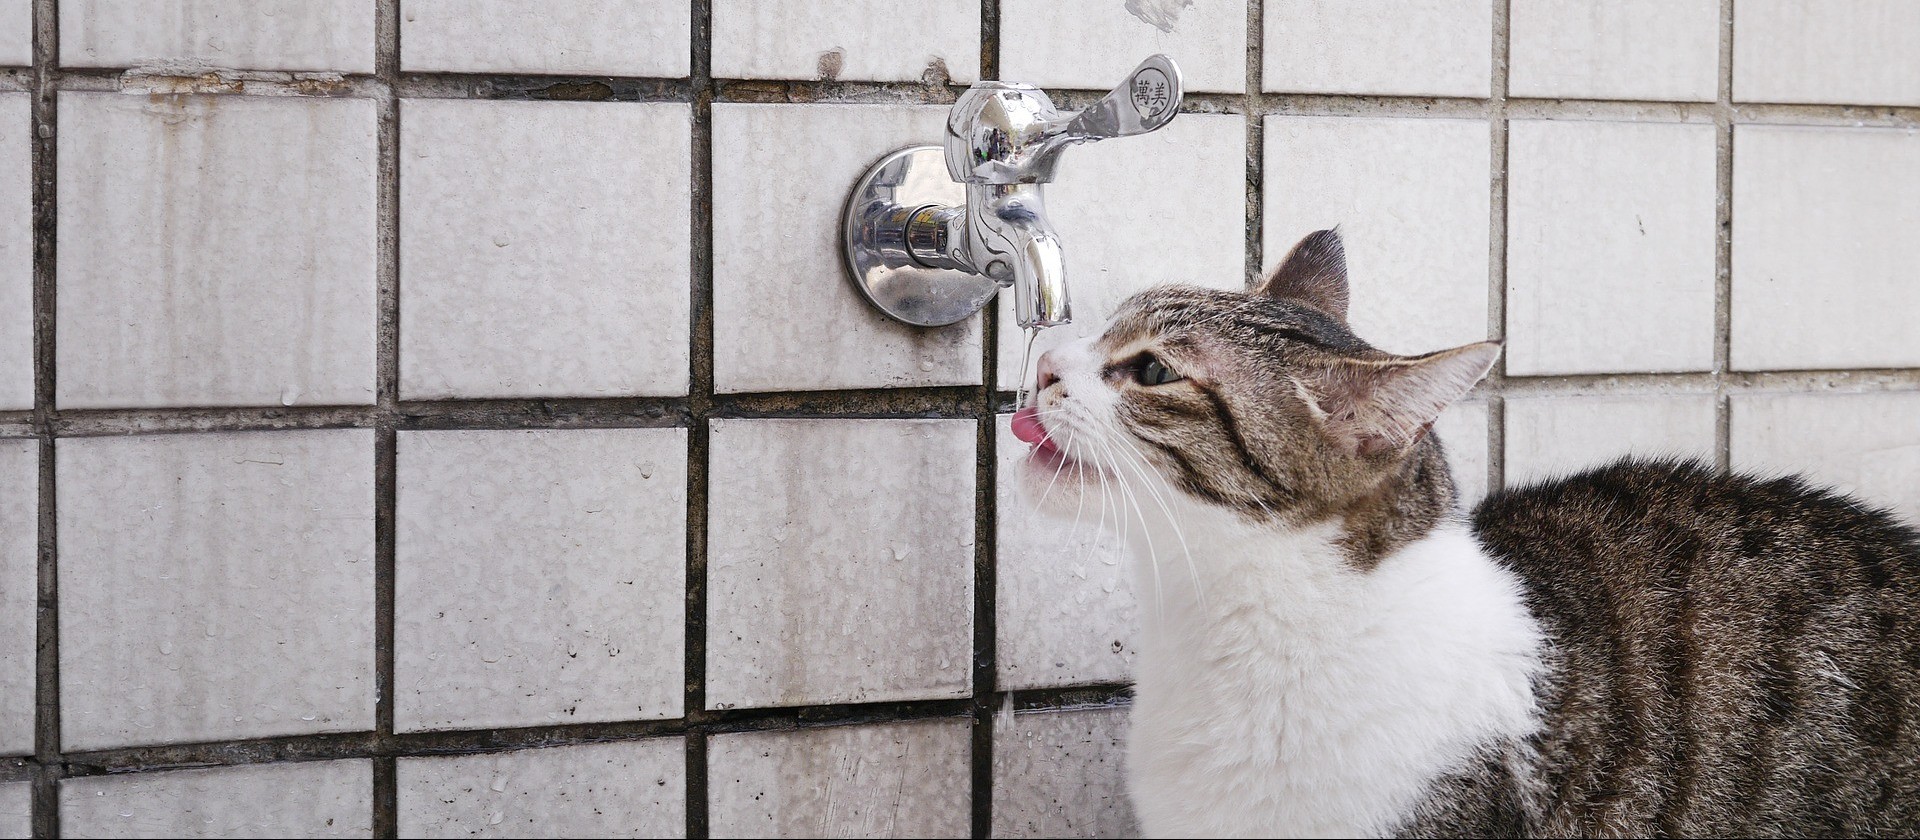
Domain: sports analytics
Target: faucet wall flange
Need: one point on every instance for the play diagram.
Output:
(885, 226)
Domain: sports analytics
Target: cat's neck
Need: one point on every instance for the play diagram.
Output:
(1274, 653)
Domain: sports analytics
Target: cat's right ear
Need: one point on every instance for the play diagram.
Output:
(1314, 273)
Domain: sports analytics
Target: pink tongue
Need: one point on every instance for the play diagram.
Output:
(1026, 426)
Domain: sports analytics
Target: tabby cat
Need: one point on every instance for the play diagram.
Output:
(1330, 647)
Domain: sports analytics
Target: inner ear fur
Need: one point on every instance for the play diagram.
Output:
(1314, 272)
(1370, 406)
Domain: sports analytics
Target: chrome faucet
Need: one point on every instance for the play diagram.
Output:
(931, 233)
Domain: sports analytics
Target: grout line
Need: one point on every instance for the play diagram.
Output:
(1256, 144)
(700, 406)
(350, 745)
(1497, 242)
(1723, 245)
(986, 652)
(48, 767)
(386, 790)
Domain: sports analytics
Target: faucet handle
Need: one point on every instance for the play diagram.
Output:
(1146, 101)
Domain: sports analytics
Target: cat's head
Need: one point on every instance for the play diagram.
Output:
(1260, 403)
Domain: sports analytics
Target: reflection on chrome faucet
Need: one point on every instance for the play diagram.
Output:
(932, 250)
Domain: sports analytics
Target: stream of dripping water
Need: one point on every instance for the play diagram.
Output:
(1025, 394)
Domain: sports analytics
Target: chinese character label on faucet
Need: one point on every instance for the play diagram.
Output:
(1150, 94)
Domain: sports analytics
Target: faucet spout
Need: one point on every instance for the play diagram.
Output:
(1013, 243)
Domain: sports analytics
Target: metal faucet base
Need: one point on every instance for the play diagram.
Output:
(880, 259)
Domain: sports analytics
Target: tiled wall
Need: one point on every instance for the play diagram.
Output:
(424, 417)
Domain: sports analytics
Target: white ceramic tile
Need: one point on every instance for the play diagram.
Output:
(624, 789)
(544, 249)
(1411, 200)
(853, 40)
(541, 577)
(589, 37)
(16, 810)
(16, 253)
(1463, 431)
(1610, 247)
(839, 561)
(884, 780)
(245, 34)
(1863, 52)
(1615, 49)
(1167, 207)
(307, 799)
(1404, 47)
(1091, 44)
(16, 32)
(1824, 274)
(1064, 594)
(1864, 444)
(1058, 774)
(215, 586)
(217, 250)
(786, 317)
(1559, 436)
(19, 585)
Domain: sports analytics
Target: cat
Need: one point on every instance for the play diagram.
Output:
(1330, 647)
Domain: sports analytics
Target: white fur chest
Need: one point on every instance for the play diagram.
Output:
(1281, 693)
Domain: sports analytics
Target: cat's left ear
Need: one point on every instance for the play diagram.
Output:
(1314, 273)
(1370, 406)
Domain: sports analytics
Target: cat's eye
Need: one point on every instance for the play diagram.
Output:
(1152, 371)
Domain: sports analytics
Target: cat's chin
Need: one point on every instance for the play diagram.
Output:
(1054, 482)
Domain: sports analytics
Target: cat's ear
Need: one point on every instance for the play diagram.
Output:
(1373, 405)
(1314, 272)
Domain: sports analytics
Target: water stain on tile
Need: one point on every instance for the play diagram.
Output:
(1163, 15)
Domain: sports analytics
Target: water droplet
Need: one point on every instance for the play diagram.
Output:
(166, 647)
(926, 365)
(495, 818)
(490, 659)
(289, 394)
(499, 783)
(899, 553)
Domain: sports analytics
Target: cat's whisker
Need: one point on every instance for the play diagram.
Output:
(1193, 570)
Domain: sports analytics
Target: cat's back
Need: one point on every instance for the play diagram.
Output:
(1734, 655)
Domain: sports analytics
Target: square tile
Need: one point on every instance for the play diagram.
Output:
(785, 315)
(1549, 437)
(16, 32)
(1058, 774)
(858, 40)
(220, 251)
(1463, 431)
(540, 577)
(1064, 590)
(1091, 44)
(624, 789)
(1823, 247)
(1615, 49)
(1864, 52)
(16, 809)
(839, 561)
(215, 586)
(1610, 247)
(306, 799)
(1412, 201)
(19, 591)
(544, 249)
(884, 780)
(1166, 207)
(16, 252)
(578, 37)
(1864, 444)
(236, 34)
(1397, 47)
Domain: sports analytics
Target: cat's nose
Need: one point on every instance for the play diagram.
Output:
(1047, 374)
